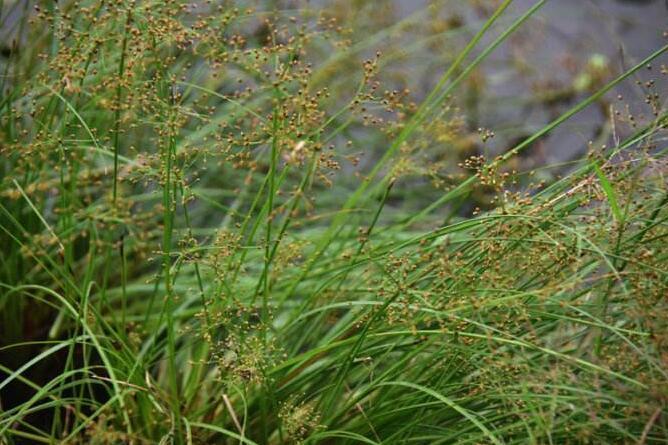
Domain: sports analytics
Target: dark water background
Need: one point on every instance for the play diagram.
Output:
(567, 32)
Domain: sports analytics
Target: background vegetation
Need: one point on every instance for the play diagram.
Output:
(248, 223)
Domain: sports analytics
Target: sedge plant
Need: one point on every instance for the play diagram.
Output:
(194, 251)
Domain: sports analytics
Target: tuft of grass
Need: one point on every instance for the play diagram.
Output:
(232, 225)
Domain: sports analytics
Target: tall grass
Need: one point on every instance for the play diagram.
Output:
(194, 252)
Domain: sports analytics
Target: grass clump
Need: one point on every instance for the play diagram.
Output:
(229, 225)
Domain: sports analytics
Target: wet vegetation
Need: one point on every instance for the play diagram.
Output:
(248, 223)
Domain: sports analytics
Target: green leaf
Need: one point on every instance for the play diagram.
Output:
(609, 193)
